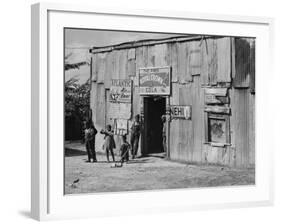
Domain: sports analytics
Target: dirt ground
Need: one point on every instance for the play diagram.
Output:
(146, 173)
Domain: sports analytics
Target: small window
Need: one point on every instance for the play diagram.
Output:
(217, 128)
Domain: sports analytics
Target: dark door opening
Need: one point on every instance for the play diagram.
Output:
(154, 108)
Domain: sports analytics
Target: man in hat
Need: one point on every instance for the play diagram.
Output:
(90, 135)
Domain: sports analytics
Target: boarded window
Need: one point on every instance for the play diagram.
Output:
(217, 128)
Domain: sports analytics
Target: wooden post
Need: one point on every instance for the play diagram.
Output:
(90, 113)
(168, 120)
(142, 144)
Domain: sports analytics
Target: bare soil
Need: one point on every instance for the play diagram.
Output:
(146, 173)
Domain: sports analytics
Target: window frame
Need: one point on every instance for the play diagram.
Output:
(226, 118)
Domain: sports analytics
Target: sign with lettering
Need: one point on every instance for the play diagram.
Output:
(119, 110)
(121, 127)
(155, 81)
(120, 91)
(181, 112)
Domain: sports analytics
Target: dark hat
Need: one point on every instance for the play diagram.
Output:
(108, 126)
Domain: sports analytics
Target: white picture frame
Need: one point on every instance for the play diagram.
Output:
(48, 201)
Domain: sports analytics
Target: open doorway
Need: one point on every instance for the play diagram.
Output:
(154, 108)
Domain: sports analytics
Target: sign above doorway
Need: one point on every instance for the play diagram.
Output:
(155, 81)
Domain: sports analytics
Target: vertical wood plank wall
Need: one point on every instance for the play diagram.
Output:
(196, 64)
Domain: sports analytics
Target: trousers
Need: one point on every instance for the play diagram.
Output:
(134, 144)
(90, 147)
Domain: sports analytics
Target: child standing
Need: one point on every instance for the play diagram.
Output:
(124, 149)
(90, 135)
(109, 143)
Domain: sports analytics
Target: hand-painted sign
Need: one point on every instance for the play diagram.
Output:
(121, 127)
(120, 91)
(119, 110)
(181, 112)
(154, 81)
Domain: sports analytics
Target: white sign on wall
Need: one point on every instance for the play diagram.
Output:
(181, 112)
(120, 91)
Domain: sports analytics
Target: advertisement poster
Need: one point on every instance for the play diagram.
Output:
(154, 81)
(120, 91)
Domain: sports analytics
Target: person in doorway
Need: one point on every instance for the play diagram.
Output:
(164, 129)
(90, 136)
(109, 143)
(124, 149)
(135, 136)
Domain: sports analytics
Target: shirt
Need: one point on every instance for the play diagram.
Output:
(90, 134)
(109, 142)
(136, 128)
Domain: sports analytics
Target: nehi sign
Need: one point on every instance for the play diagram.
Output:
(181, 112)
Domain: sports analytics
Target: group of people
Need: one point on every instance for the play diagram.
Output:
(109, 143)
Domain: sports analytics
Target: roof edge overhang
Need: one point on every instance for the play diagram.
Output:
(147, 42)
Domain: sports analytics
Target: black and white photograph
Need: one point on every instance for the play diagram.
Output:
(157, 111)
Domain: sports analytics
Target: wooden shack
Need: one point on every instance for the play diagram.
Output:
(205, 85)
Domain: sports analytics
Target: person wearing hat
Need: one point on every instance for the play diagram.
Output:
(90, 135)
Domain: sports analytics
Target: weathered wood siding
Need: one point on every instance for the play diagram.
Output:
(198, 66)
(194, 65)
(215, 61)
(243, 127)
(244, 74)
(106, 66)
